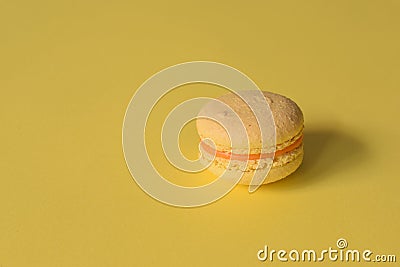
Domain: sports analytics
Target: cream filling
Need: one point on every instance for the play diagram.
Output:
(252, 165)
(254, 150)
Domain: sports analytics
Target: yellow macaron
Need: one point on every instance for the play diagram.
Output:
(248, 156)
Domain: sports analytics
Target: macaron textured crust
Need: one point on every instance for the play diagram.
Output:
(248, 157)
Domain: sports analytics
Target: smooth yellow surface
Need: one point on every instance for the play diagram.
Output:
(68, 70)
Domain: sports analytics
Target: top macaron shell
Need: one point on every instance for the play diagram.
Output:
(287, 116)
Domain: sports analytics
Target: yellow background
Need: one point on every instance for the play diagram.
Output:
(68, 70)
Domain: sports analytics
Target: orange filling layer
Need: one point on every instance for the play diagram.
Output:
(235, 156)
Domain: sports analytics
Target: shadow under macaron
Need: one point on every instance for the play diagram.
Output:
(326, 151)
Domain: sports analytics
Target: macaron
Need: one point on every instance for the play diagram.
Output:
(249, 155)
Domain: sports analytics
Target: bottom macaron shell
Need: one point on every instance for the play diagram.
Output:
(275, 173)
